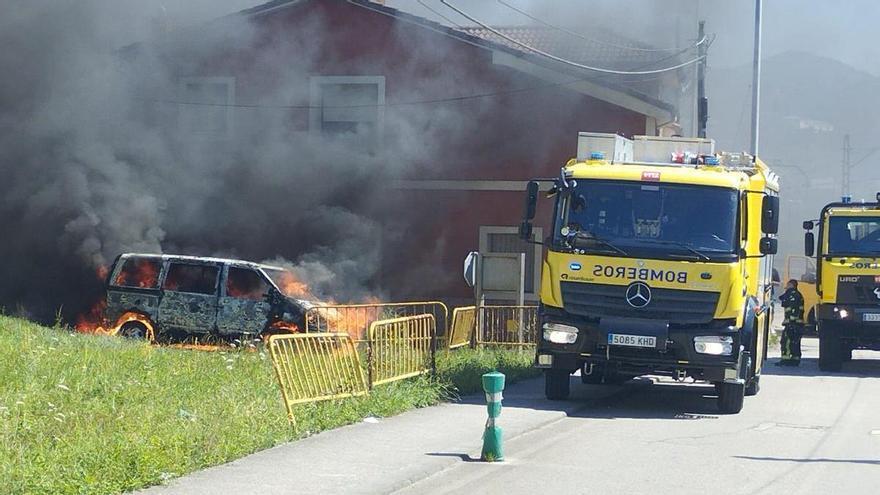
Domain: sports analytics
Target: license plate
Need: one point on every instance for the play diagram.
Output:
(632, 340)
(871, 317)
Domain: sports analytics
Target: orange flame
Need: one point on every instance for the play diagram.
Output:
(294, 287)
(144, 274)
(94, 322)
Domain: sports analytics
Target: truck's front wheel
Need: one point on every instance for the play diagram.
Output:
(754, 386)
(846, 353)
(830, 355)
(731, 397)
(557, 384)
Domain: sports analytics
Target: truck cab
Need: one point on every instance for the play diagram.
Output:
(848, 279)
(659, 262)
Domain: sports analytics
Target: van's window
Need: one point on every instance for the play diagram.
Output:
(199, 279)
(139, 272)
(245, 283)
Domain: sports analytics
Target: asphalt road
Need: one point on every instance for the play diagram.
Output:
(806, 432)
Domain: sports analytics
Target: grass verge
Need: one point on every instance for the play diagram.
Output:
(89, 414)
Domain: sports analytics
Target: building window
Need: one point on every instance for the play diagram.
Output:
(348, 107)
(206, 105)
(506, 240)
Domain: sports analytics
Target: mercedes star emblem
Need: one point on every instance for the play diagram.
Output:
(638, 294)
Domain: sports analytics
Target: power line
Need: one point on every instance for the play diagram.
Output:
(429, 101)
(464, 38)
(419, 102)
(374, 105)
(560, 59)
(678, 51)
(593, 40)
(705, 38)
(438, 14)
(867, 155)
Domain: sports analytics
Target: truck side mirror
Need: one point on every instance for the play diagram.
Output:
(768, 245)
(531, 200)
(525, 228)
(808, 225)
(770, 215)
(809, 244)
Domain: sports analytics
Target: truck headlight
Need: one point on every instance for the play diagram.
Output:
(559, 333)
(715, 345)
(841, 312)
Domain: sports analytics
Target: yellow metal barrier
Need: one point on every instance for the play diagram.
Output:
(507, 325)
(401, 348)
(355, 319)
(315, 367)
(462, 327)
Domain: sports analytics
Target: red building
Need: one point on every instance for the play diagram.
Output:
(462, 117)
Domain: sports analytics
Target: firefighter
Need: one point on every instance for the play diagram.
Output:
(793, 325)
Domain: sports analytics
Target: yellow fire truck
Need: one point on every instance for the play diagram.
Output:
(848, 279)
(659, 262)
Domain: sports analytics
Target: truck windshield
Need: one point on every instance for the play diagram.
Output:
(666, 221)
(854, 236)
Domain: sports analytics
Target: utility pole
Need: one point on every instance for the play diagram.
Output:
(702, 101)
(846, 165)
(756, 79)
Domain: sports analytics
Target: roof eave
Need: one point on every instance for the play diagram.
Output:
(537, 66)
(591, 86)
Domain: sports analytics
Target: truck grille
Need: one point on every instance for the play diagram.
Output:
(857, 289)
(672, 305)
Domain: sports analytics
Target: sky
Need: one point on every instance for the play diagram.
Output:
(836, 29)
(842, 30)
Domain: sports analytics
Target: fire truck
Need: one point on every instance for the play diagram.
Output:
(659, 262)
(847, 279)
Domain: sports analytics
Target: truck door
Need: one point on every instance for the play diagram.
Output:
(189, 302)
(244, 306)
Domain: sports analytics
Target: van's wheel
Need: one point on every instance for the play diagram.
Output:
(133, 330)
(830, 351)
(754, 386)
(731, 397)
(557, 384)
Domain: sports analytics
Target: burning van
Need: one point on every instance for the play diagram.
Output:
(182, 296)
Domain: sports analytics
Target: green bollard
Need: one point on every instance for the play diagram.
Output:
(493, 384)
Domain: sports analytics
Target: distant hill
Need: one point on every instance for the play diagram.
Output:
(808, 103)
(795, 87)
